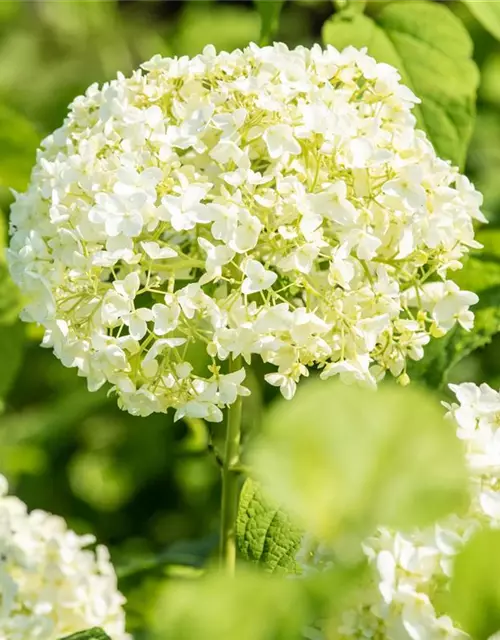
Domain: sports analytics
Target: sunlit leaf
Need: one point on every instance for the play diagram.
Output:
(226, 26)
(432, 50)
(252, 606)
(475, 586)
(266, 535)
(18, 141)
(344, 459)
(487, 12)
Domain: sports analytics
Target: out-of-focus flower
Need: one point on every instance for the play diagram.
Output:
(52, 584)
(268, 203)
(411, 570)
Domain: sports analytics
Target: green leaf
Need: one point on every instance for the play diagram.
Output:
(349, 7)
(249, 606)
(265, 533)
(10, 297)
(18, 141)
(432, 50)
(12, 341)
(90, 634)
(481, 274)
(487, 12)
(343, 460)
(474, 599)
(269, 11)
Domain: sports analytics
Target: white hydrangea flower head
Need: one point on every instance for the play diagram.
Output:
(411, 570)
(268, 202)
(52, 584)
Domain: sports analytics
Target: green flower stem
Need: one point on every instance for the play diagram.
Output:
(230, 483)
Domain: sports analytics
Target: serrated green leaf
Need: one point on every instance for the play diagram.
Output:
(474, 599)
(481, 274)
(487, 12)
(18, 141)
(432, 50)
(90, 634)
(343, 460)
(269, 11)
(265, 533)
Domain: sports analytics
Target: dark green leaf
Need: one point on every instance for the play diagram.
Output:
(90, 634)
(12, 341)
(269, 11)
(475, 586)
(190, 554)
(266, 535)
(432, 50)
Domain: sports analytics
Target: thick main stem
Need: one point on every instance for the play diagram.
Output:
(230, 483)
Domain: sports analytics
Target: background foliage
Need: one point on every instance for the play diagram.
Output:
(148, 487)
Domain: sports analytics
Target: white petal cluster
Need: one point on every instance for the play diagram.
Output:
(268, 202)
(412, 570)
(51, 584)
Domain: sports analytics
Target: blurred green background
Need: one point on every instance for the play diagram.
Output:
(148, 488)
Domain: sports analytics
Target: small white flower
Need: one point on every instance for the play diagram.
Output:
(155, 252)
(166, 316)
(287, 385)
(217, 257)
(280, 140)
(185, 210)
(257, 278)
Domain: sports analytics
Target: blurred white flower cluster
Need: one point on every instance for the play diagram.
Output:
(269, 202)
(51, 585)
(410, 571)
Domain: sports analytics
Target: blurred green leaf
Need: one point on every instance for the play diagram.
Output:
(90, 634)
(475, 586)
(189, 554)
(342, 459)
(18, 141)
(10, 297)
(12, 341)
(269, 11)
(226, 27)
(480, 274)
(487, 12)
(265, 533)
(432, 50)
(251, 606)
(100, 480)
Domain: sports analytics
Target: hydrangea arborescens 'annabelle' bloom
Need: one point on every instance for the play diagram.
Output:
(262, 202)
(51, 585)
(411, 571)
